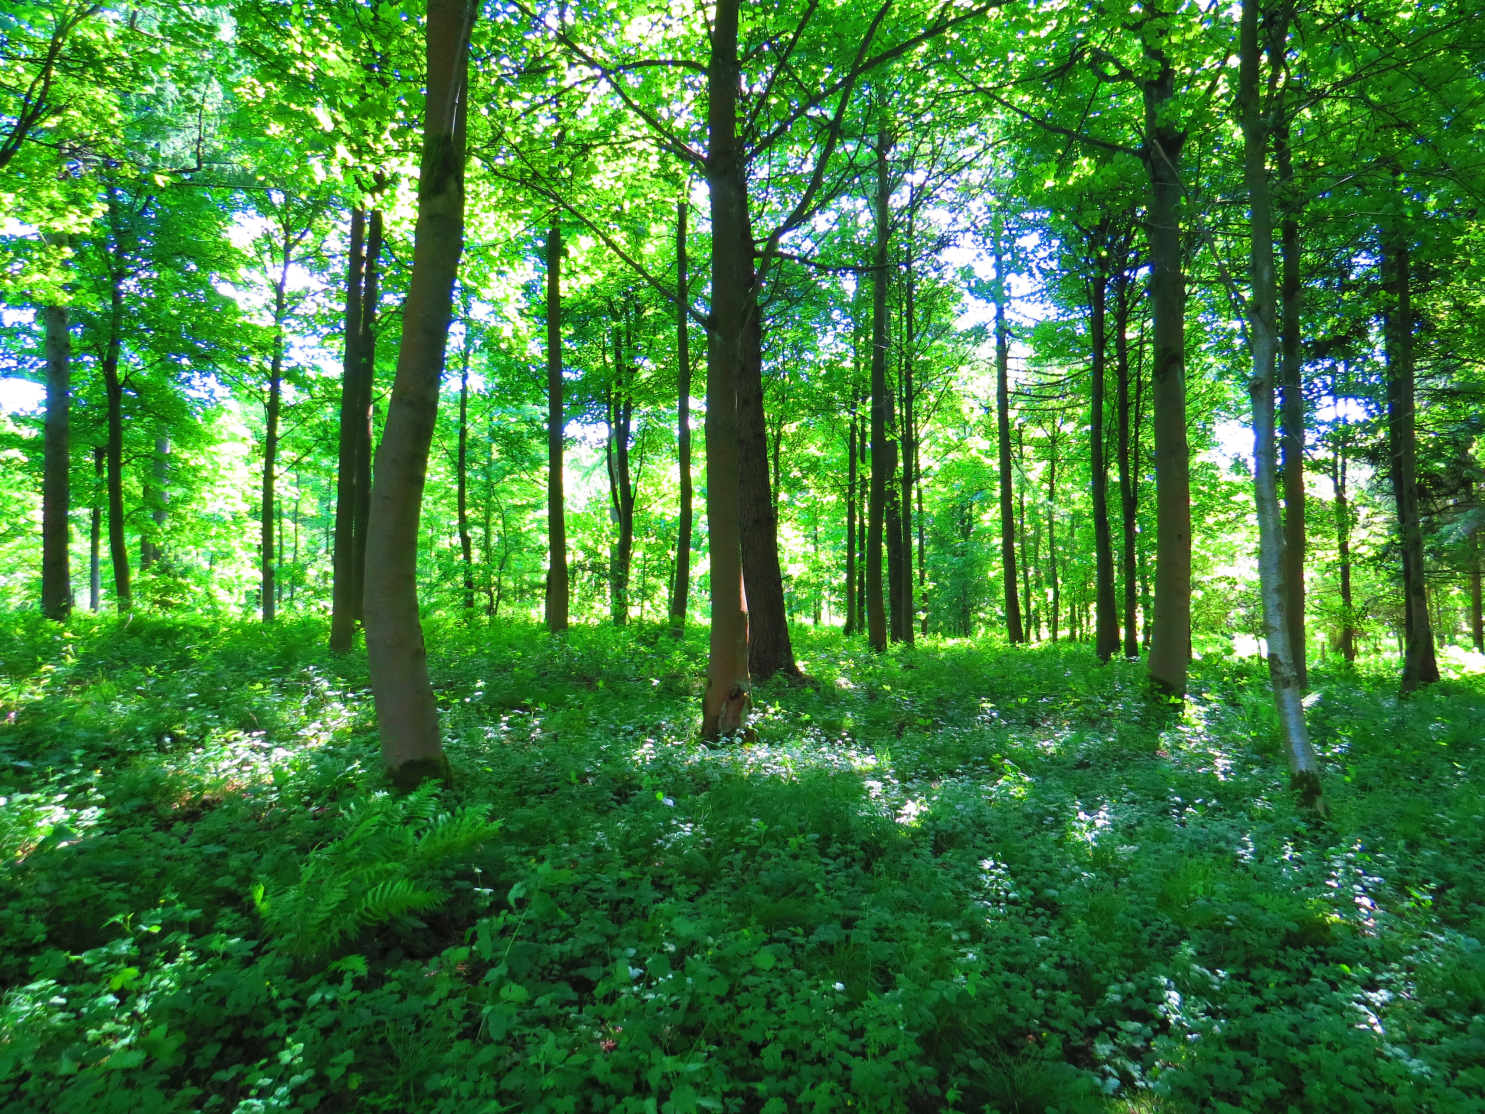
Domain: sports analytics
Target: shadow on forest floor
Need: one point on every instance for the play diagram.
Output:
(947, 878)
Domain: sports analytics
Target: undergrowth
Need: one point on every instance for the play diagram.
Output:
(952, 878)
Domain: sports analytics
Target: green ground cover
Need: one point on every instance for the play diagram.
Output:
(947, 879)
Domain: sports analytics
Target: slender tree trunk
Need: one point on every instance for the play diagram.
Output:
(406, 712)
(559, 591)
(1419, 665)
(769, 648)
(1304, 771)
(909, 612)
(118, 550)
(922, 544)
(851, 618)
(1343, 551)
(270, 438)
(159, 496)
(620, 407)
(863, 500)
(466, 543)
(729, 689)
(1291, 409)
(370, 293)
(1477, 616)
(342, 596)
(1014, 630)
(892, 524)
(876, 613)
(1128, 505)
(681, 590)
(95, 535)
(1170, 644)
(1106, 610)
(1052, 543)
(1028, 548)
(56, 567)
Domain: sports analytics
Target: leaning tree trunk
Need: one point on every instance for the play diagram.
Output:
(118, 550)
(1419, 665)
(1170, 642)
(1304, 771)
(1128, 502)
(270, 442)
(1106, 610)
(681, 589)
(876, 613)
(559, 592)
(1291, 412)
(56, 572)
(724, 708)
(1014, 630)
(407, 715)
(342, 597)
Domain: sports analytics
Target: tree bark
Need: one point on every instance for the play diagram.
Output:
(342, 596)
(892, 525)
(1106, 610)
(876, 614)
(406, 712)
(370, 294)
(681, 589)
(95, 535)
(118, 550)
(559, 591)
(268, 600)
(1014, 630)
(1052, 545)
(851, 617)
(466, 543)
(157, 500)
(1128, 504)
(56, 567)
(620, 414)
(1291, 409)
(1170, 643)
(729, 689)
(769, 648)
(1304, 771)
(1419, 665)
(909, 611)
(1477, 613)
(1343, 552)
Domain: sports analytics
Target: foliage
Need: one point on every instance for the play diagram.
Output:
(950, 877)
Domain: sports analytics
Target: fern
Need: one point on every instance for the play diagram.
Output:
(380, 867)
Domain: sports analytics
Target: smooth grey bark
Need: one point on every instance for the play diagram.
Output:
(558, 589)
(56, 499)
(1304, 771)
(407, 714)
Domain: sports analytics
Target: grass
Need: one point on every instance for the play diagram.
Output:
(955, 878)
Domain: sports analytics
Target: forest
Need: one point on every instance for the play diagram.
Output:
(666, 557)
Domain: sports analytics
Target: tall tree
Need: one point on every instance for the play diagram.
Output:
(1106, 613)
(56, 573)
(1014, 630)
(342, 608)
(681, 587)
(876, 615)
(558, 592)
(407, 715)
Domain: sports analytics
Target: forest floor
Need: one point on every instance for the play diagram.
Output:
(951, 878)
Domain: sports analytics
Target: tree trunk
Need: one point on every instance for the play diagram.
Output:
(922, 543)
(95, 535)
(1477, 615)
(342, 595)
(681, 589)
(157, 499)
(1052, 544)
(909, 612)
(559, 591)
(1419, 665)
(769, 647)
(268, 599)
(729, 689)
(620, 414)
(406, 712)
(851, 618)
(1128, 505)
(1170, 643)
(892, 524)
(1106, 610)
(1304, 771)
(862, 506)
(1291, 410)
(1343, 551)
(370, 293)
(876, 614)
(1014, 630)
(56, 570)
(466, 543)
(118, 550)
